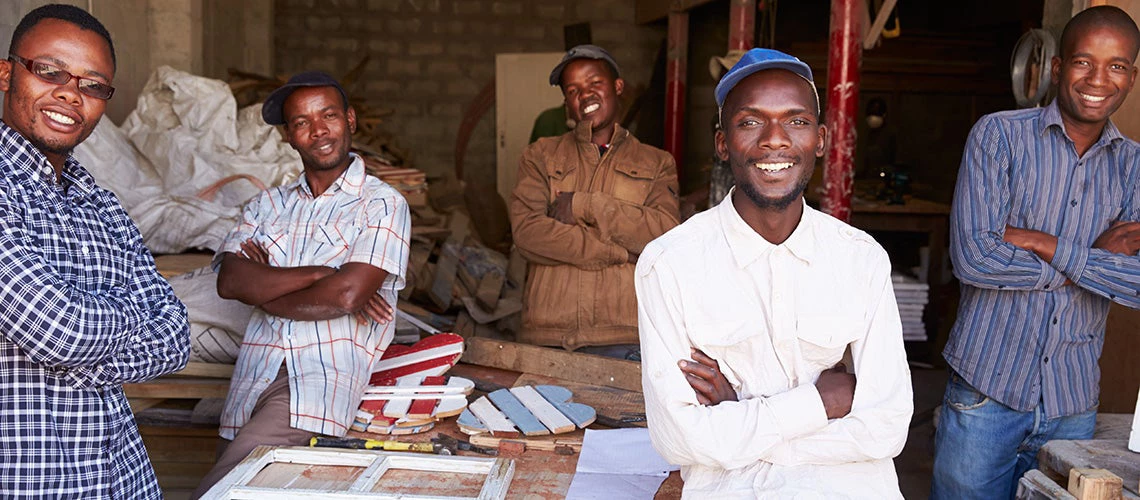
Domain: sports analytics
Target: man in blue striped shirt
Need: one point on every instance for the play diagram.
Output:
(1044, 234)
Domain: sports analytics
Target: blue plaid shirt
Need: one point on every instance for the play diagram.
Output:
(82, 311)
(1023, 337)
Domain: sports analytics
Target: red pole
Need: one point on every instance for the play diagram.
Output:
(742, 25)
(677, 57)
(845, 56)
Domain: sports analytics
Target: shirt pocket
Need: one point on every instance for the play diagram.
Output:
(632, 183)
(741, 348)
(824, 338)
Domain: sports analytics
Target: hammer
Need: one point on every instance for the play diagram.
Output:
(375, 444)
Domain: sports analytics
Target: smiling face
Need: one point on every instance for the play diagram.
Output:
(319, 127)
(771, 137)
(591, 93)
(1094, 74)
(55, 118)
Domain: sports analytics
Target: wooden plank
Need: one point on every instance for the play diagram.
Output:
(140, 404)
(572, 441)
(1058, 457)
(444, 280)
(398, 408)
(1035, 485)
(178, 388)
(559, 397)
(553, 362)
(1095, 484)
(488, 417)
(205, 370)
(490, 287)
(546, 413)
(626, 408)
(519, 415)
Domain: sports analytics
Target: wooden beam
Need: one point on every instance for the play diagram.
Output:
(648, 11)
(1095, 484)
(205, 370)
(554, 362)
(180, 388)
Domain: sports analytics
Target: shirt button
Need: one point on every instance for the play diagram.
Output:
(1054, 321)
(1046, 359)
(84, 249)
(1073, 203)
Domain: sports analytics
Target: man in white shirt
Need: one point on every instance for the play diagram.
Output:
(774, 293)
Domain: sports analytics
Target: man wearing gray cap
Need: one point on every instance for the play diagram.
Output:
(321, 259)
(586, 204)
(767, 295)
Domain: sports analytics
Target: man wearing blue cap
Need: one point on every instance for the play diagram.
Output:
(586, 203)
(767, 295)
(321, 259)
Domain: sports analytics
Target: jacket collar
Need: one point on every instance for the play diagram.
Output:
(585, 131)
(747, 245)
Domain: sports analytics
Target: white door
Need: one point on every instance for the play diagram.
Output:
(522, 91)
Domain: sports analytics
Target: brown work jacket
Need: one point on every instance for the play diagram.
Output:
(579, 289)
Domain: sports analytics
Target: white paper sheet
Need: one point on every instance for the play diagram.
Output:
(619, 463)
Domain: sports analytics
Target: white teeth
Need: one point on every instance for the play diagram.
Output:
(64, 119)
(1093, 98)
(773, 167)
(591, 108)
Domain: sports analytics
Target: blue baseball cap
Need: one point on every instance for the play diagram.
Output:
(758, 60)
(273, 111)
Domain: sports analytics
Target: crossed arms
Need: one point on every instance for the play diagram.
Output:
(989, 253)
(590, 230)
(304, 293)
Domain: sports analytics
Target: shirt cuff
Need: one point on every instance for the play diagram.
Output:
(1070, 259)
(798, 412)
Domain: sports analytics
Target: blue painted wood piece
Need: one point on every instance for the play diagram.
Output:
(582, 415)
(519, 415)
(469, 420)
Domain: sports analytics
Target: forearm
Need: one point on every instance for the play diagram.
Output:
(544, 240)
(627, 224)
(982, 259)
(160, 347)
(1110, 275)
(257, 284)
(347, 291)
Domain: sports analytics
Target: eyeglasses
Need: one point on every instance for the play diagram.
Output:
(52, 74)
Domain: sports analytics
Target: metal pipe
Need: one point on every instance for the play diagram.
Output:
(742, 25)
(844, 58)
(677, 57)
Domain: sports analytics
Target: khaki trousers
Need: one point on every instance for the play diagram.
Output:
(268, 425)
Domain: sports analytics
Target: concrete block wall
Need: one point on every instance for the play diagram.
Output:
(431, 57)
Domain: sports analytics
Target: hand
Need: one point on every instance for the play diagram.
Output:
(632, 259)
(837, 389)
(1040, 243)
(253, 250)
(1122, 238)
(706, 379)
(377, 309)
(562, 208)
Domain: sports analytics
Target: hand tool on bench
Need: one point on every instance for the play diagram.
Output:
(454, 444)
(375, 444)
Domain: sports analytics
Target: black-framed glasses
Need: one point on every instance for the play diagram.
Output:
(52, 74)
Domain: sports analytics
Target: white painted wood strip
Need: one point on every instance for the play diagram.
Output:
(243, 473)
(498, 480)
(371, 475)
(582, 415)
(442, 463)
(259, 493)
(493, 419)
(455, 385)
(519, 415)
(397, 408)
(543, 410)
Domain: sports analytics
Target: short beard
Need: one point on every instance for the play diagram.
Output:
(765, 203)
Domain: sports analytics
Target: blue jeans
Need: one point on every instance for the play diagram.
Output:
(982, 447)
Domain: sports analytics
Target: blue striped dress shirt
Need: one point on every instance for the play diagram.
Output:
(1023, 336)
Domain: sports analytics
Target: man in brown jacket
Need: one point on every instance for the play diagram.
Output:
(586, 203)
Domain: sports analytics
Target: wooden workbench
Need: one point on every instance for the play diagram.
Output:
(1107, 450)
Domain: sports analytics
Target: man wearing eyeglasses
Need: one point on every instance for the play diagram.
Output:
(82, 308)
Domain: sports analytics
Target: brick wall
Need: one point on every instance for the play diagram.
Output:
(431, 57)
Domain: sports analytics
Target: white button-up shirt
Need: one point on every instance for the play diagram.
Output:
(359, 218)
(774, 317)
